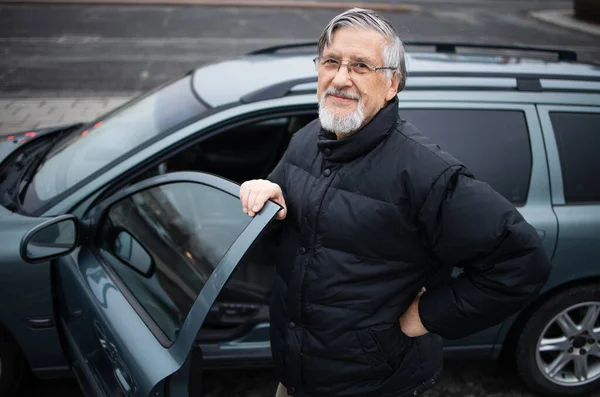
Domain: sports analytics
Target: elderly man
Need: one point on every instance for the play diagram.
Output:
(372, 213)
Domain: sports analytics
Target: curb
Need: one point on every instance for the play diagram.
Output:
(241, 3)
(565, 19)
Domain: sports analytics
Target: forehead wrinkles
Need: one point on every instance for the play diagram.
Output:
(356, 44)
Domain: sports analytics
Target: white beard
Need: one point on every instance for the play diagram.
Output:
(342, 125)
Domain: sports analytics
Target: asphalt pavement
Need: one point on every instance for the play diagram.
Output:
(460, 379)
(108, 49)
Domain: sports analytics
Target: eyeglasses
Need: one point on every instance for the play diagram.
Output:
(359, 68)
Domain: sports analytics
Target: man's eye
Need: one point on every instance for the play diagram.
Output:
(361, 65)
(331, 62)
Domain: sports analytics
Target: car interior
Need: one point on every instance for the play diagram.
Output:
(248, 151)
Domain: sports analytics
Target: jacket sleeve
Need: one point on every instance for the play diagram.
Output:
(468, 225)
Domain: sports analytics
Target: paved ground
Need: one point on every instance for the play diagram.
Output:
(34, 113)
(119, 50)
(461, 379)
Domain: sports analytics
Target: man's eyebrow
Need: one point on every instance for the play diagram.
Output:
(354, 58)
(363, 59)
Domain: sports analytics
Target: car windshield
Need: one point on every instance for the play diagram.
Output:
(88, 151)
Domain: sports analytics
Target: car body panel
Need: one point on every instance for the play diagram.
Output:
(265, 69)
(27, 312)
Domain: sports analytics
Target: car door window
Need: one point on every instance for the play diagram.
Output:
(165, 242)
(493, 144)
(247, 151)
(578, 140)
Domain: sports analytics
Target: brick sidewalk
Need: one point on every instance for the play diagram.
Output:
(33, 113)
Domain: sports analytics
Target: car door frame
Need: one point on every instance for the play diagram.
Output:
(150, 361)
(537, 206)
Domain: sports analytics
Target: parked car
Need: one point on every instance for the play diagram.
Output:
(125, 257)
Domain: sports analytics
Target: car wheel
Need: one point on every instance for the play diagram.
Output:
(11, 367)
(558, 351)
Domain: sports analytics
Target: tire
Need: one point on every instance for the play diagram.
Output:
(11, 367)
(551, 351)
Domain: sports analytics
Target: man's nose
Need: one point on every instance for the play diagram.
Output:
(342, 77)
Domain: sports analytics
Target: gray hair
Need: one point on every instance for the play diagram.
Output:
(359, 18)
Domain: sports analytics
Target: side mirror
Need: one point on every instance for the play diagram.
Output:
(132, 253)
(50, 240)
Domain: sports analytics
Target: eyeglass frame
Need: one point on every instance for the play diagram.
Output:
(349, 69)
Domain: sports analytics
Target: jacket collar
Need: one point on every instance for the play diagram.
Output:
(363, 141)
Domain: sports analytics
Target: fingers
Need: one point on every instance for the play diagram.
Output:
(253, 205)
(259, 201)
(282, 213)
(245, 190)
(254, 194)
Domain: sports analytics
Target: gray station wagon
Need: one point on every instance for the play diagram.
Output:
(126, 260)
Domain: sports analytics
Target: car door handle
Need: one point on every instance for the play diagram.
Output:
(123, 382)
(541, 233)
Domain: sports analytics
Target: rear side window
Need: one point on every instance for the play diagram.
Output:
(493, 144)
(578, 139)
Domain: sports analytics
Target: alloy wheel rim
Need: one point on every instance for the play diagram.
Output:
(568, 350)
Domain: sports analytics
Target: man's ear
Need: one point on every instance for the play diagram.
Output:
(394, 82)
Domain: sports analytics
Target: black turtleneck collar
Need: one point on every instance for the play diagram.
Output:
(363, 141)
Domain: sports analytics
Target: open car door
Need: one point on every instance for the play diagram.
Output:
(136, 278)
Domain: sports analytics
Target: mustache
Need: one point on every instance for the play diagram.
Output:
(341, 93)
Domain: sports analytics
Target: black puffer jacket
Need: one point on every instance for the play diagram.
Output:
(371, 219)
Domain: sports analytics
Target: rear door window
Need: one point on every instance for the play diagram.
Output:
(492, 143)
(578, 141)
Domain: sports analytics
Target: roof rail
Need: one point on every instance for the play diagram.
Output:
(563, 55)
(525, 82)
(277, 90)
